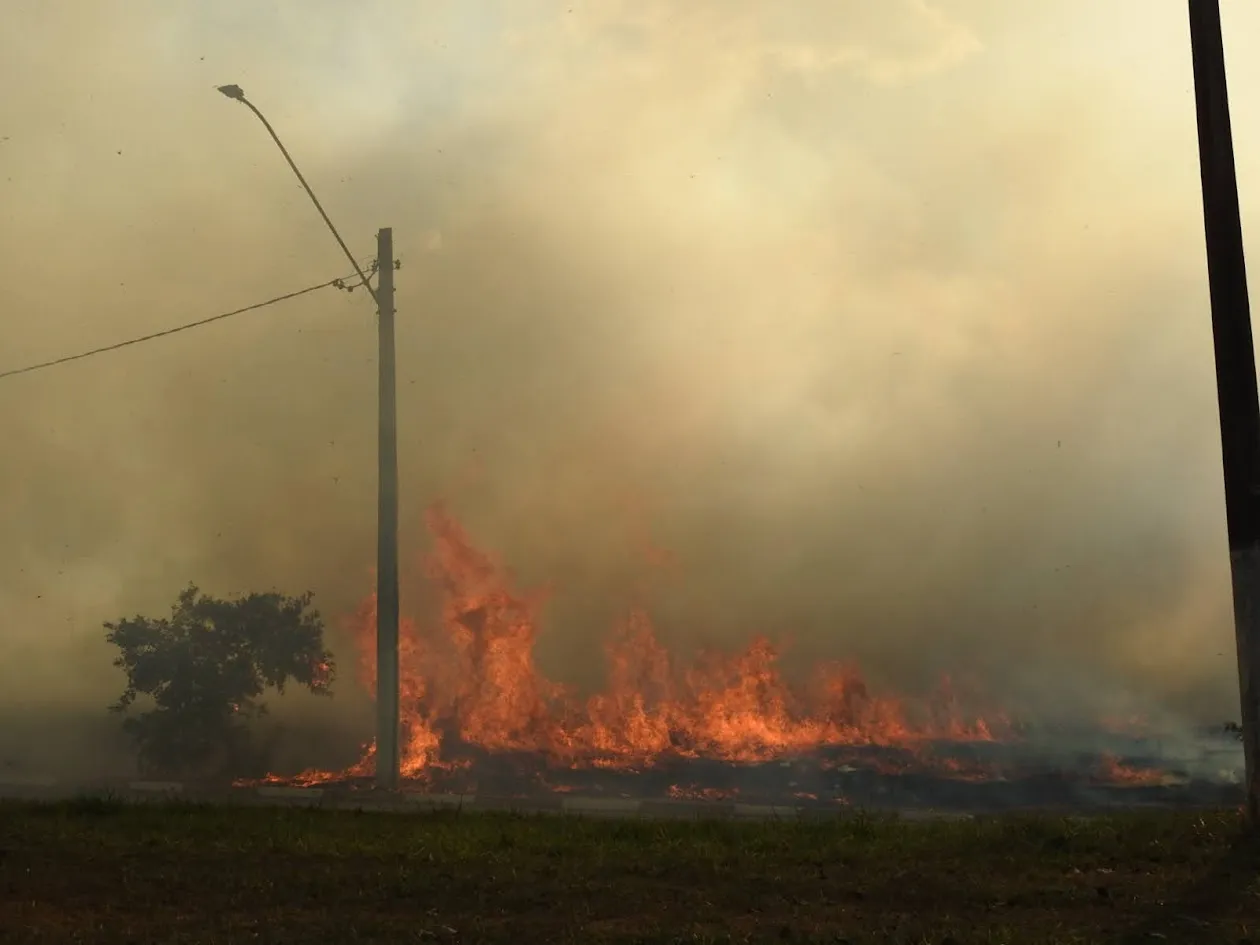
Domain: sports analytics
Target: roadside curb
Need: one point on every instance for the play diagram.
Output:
(765, 812)
(606, 806)
(141, 791)
(439, 801)
(156, 787)
(284, 791)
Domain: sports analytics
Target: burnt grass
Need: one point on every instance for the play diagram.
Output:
(104, 872)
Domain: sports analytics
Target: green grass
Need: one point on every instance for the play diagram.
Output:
(94, 871)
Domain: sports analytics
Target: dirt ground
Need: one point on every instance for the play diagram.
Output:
(102, 872)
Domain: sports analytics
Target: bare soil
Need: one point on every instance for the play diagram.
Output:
(103, 872)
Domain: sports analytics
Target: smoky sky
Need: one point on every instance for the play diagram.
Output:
(889, 321)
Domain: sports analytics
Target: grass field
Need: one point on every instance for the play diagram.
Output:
(94, 871)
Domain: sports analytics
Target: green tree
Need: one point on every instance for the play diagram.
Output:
(205, 669)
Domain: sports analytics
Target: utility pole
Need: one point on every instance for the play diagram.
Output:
(387, 756)
(1235, 368)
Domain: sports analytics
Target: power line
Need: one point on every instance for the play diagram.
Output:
(339, 283)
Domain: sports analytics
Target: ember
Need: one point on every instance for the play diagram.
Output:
(1112, 770)
(695, 792)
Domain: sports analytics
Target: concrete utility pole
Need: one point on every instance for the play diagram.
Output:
(387, 605)
(387, 755)
(1235, 368)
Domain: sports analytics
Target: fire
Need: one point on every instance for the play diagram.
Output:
(695, 792)
(1112, 770)
(470, 693)
(469, 683)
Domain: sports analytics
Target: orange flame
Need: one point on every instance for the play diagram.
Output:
(694, 792)
(1112, 770)
(471, 680)
(468, 682)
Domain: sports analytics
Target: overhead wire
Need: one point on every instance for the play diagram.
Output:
(340, 283)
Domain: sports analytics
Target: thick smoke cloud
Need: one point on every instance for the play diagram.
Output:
(888, 320)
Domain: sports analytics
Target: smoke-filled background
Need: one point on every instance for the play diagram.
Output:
(888, 320)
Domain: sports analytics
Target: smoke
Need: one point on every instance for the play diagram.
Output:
(889, 321)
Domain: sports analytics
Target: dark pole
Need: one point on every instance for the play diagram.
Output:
(1235, 368)
(387, 530)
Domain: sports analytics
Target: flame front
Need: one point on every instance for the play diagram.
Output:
(470, 682)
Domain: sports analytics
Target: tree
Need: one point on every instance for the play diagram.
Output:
(206, 667)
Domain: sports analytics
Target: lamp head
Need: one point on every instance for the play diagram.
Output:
(233, 91)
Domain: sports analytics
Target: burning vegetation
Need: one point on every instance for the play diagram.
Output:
(474, 704)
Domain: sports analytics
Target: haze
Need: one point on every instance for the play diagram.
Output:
(888, 320)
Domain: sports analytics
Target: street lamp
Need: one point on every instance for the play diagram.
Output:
(236, 93)
(387, 604)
